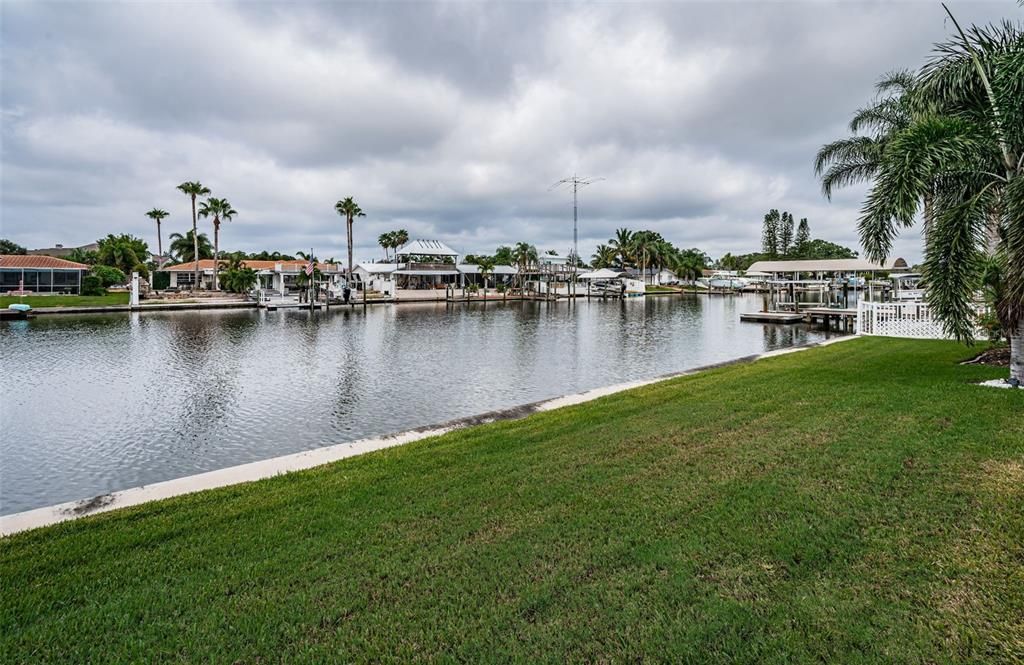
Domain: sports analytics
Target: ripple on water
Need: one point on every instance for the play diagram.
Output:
(98, 403)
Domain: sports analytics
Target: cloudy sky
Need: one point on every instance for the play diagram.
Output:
(448, 120)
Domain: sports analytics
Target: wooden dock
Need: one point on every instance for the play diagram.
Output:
(844, 318)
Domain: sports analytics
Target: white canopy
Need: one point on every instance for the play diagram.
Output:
(425, 248)
(603, 273)
(378, 268)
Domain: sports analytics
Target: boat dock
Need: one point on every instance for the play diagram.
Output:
(844, 318)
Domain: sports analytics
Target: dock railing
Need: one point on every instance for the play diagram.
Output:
(903, 319)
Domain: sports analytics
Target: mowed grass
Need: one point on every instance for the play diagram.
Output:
(861, 503)
(39, 302)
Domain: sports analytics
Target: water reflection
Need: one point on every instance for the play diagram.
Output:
(97, 403)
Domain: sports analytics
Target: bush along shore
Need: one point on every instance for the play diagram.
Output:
(857, 502)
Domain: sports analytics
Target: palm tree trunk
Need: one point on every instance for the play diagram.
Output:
(159, 243)
(348, 229)
(1017, 353)
(195, 242)
(216, 250)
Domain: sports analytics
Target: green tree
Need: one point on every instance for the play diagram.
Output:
(192, 189)
(86, 256)
(349, 209)
(823, 249)
(219, 209)
(803, 236)
(964, 157)
(604, 257)
(385, 240)
(183, 246)
(10, 247)
(158, 215)
(504, 256)
(401, 237)
(786, 234)
(486, 267)
(770, 233)
(856, 159)
(622, 243)
(236, 276)
(108, 275)
(125, 252)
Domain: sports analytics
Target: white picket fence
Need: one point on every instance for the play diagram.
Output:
(902, 319)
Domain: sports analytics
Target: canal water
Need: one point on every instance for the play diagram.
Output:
(95, 403)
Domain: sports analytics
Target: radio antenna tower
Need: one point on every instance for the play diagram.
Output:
(576, 183)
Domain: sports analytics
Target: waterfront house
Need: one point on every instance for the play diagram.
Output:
(21, 273)
(279, 276)
(426, 264)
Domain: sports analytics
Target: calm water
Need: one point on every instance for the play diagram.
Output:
(92, 404)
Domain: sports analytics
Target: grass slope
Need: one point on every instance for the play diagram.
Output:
(41, 302)
(857, 503)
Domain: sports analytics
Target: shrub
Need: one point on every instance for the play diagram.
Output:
(92, 286)
(107, 275)
(161, 280)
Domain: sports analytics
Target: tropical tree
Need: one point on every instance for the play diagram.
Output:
(486, 267)
(401, 236)
(604, 257)
(688, 266)
(962, 154)
(385, 240)
(11, 247)
(219, 209)
(183, 246)
(236, 276)
(157, 215)
(504, 256)
(349, 209)
(856, 159)
(524, 255)
(192, 189)
(622, 243)
(124, 252)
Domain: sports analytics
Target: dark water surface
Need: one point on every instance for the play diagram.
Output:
(96, 403)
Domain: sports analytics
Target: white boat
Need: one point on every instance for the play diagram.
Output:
(907, 287)
(725, 279)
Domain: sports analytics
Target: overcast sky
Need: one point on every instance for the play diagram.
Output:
(448, 120)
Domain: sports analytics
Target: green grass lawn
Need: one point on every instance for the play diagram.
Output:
(653, 288)
(40, 302)
(861, 502)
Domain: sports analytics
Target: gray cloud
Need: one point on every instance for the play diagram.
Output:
(450, 120)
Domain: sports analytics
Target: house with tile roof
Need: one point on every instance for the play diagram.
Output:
(20, 273)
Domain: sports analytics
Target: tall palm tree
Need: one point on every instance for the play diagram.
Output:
(525, 255)
(604, 257)
(349, 209)
(219, 209)
(157, 215)
(183, 247)
(400, 237)
(622, 243)
(966, 152)
(857, 158)
(192, 189)
(385, 240)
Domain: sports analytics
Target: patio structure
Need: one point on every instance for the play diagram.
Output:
(819, 269)
(426, 265)
(21, 273)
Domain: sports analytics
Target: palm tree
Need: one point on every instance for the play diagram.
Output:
(525, 255)
(966, 153)
(349, 209)
(192, 189)
(157, 215)
(385, 240)
(183, 246)
(238, 278)
(604, 257)
(857, 158)
(687, 266)
(401, 236)
(486, 267)
(622, 243)
(219, 209)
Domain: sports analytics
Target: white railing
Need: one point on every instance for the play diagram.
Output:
(902, 319)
